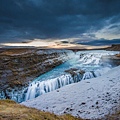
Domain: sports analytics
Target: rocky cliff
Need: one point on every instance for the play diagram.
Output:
(18, 67)
(114, 47)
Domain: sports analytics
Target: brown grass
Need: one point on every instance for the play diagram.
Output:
(9, 110)
(15, 51)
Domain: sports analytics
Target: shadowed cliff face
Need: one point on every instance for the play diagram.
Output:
(18, 67)
(114, 48)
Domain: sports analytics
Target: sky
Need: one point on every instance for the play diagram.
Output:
(83, 22)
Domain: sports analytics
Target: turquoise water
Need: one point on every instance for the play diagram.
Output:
(90, 61)
(59, 70)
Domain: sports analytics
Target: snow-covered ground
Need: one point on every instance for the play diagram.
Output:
(91, 98)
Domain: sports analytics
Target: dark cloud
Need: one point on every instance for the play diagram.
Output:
(30, 19)
(100, 42)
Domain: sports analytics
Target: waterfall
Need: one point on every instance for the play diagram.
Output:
(38, 88)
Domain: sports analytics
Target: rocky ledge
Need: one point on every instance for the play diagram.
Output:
(19, 67)
(114, 48)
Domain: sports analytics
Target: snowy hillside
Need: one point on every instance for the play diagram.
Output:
(92, 98)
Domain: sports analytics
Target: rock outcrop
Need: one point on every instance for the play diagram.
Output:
(114, 47)
(19, 67)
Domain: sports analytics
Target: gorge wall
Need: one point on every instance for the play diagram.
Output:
(19, 67)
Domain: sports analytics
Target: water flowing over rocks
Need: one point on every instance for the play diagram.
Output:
(38, 88)
(72, 75)
(18, 67)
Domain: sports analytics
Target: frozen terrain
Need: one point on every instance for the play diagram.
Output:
(92, 98)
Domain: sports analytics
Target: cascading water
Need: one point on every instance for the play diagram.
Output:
(88, 61)
(38, 88)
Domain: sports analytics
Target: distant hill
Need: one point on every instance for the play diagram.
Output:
(114, 47)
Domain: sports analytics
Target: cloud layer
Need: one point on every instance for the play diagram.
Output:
(58, 19)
